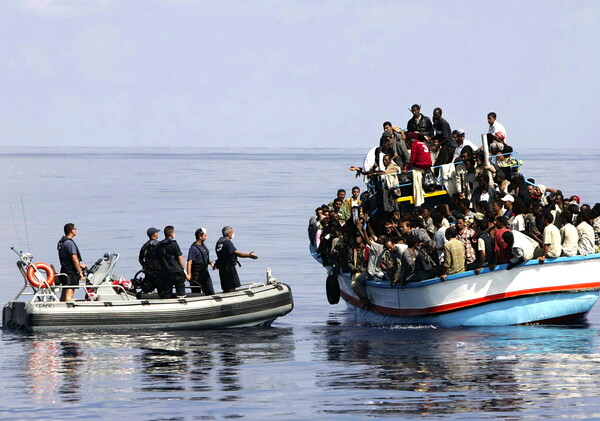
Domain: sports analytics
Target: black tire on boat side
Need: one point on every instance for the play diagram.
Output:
(333, 289)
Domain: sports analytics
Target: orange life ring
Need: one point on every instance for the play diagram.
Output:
(42, 267)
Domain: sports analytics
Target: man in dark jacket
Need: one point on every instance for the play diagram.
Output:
(227, 260)
(443, 132)
(150, 262)
(419, 123)
(172, 265)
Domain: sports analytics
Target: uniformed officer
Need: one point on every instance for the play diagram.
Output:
(227, 259)
(70, 261)
(148, 258)
(198, 262)
(172, 266)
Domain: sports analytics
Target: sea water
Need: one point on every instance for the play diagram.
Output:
(315, 362)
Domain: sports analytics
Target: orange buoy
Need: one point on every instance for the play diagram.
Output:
(42, 267)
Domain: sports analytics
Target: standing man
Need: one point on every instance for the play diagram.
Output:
(420, 160)
(148, 258)
(419, 123)
(497, 132)
(227, 259)
(443, 133)
(70, 261)
(400, 153)
(172, 266)
(198, 263)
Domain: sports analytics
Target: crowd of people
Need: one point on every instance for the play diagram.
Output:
(164, 267)
(493, 216)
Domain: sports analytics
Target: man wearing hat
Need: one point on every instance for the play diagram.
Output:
(508, 201)
(198, 262)
(148, 258)
(461, 142)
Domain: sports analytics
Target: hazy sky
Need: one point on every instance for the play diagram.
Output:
(294, 73)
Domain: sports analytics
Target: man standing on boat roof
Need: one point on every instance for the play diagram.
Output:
(198, 262)
(150, 262)
(497, 131)
(399, 150)
(227, 259)
(172, 265)
(419, 124)
(70, 261)
(443, 133)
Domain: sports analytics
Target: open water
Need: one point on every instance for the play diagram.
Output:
(315, 362)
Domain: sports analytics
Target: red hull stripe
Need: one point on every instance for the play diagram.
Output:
(461, 305)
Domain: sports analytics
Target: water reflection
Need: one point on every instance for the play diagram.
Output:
(184, 365)
(429, 371)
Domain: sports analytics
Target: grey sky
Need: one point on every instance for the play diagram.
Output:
(293, 73)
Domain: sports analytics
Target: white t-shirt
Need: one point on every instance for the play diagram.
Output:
(518, 223)
(459, 149)
(585, 245)
(570, 239)
(497, 127)
(524, 243)
(370, 161)
(553, 239)
(440, 239)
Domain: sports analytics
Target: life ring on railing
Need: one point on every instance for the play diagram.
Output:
(42, 267)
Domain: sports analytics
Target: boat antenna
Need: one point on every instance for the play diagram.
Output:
(25, 221)
(15, 225)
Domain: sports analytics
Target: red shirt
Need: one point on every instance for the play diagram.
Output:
(500, 247)
(419, 155)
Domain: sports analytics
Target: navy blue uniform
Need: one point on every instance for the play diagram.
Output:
(66, 249)
(201, 280)
(227, 261)
(172, 271)
(151, 265)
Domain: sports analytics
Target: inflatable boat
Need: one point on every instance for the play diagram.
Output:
(111, 304)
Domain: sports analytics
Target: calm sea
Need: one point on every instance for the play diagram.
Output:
(315, 362)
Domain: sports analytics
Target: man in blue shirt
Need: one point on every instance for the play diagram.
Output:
(198, 262)
(227, 259)
(70, 261)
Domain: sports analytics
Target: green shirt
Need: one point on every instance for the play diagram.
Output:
(454, 256)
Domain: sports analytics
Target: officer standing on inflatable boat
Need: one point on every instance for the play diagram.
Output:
(70, 261)
(150, 262)
(227, 259)
(198, 262)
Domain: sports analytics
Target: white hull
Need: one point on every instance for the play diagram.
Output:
(557, 291)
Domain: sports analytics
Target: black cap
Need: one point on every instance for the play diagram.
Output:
(152, 231)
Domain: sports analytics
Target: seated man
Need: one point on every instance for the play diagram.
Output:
(390, 261)
(568, 234)
(552, 240)
(585, 232)
(521, 247)
(455, 258)
(415, 265)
